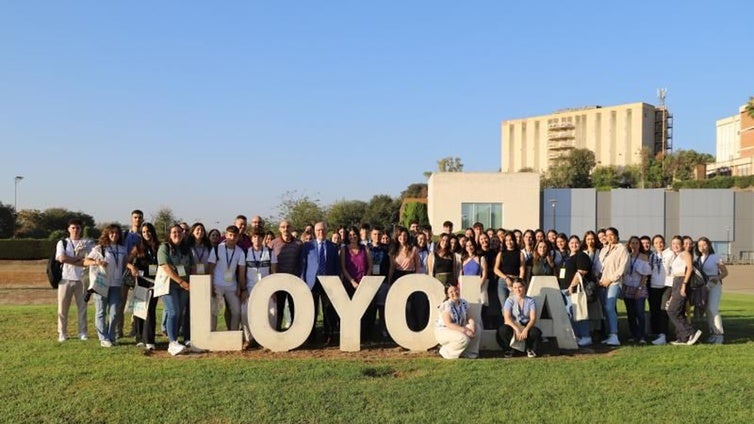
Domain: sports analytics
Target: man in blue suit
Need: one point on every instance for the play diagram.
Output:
(321, 257)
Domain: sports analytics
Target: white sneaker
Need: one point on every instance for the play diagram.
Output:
(176, 348)
(612, 340)
(83, 336)
(193, 349)
(62, 338)
(106, 343)
(150, 346)
(140, 344)
(531, 354)
(694, 338)
(660, 340)
(584, 341)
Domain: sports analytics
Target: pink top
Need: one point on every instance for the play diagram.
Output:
(405, 262)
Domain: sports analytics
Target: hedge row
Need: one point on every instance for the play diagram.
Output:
(717, 182)
(26, 249)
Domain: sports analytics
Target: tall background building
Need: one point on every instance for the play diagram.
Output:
(734, 145)
(616, 135)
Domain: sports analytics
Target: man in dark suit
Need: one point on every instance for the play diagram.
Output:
(321, 257)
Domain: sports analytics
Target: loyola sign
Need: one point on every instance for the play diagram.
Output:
(543, 289)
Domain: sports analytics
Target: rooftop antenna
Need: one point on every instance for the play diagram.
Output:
(662, 93)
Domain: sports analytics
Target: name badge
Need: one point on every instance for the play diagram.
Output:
(181, 270)
(200, 268)
(228, 276)
(141, 273)
(375, 269)
(562, 273)
(152, 270)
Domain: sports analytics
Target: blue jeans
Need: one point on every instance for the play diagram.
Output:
(107, 306)
(176, 302)
(502, 292)
(609, 296)
(636, 319)
(580, 328)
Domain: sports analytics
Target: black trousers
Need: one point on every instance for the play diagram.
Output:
(145, 328)
(505, 334)
(280, 298)
(658, 317)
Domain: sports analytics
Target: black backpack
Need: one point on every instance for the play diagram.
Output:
(55, 267)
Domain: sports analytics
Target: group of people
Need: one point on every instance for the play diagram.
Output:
(642, 269)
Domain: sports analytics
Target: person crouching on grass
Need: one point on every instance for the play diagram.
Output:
(228, 270)
(455, 331)
(520, 315)
(110, 259)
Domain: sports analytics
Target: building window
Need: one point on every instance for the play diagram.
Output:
(489, 214)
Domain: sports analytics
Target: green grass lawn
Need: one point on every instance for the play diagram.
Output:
(42, 380)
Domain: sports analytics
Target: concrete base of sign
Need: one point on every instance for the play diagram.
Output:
(395, 307)
(201, 317)
(259, 324)
(350, 310)
(546, 293)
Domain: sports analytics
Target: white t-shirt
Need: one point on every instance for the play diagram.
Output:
(115, 256)
(226, 265)
(73, 248)
(258, 264)
(658, 279)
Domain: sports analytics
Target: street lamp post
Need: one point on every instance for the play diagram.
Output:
(15, 200)
(553, 202)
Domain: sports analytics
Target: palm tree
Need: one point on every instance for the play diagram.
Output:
(750, 107)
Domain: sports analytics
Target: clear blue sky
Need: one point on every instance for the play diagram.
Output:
(217, 108)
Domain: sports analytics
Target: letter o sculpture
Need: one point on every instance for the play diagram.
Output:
(395, 310)
(297, 333)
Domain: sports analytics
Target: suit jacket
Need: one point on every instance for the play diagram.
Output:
(311, 261)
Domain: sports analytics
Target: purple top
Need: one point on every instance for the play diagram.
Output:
(356, 264)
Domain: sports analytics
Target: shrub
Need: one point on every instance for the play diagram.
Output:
(26, 248)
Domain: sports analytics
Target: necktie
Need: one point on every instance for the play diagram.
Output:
(321, 261)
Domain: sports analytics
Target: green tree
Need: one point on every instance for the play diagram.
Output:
(414, 211)
(605, 177)
(382, 211)
(346, 213)
(162, 220)
(300, 210)
(447, 164)
(681, 163)
(415, 190)
(572, 170)
(7, 220)
(749, 108)
(32, 223)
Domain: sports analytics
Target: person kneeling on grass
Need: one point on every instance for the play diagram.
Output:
(520, 315)
(457, 334)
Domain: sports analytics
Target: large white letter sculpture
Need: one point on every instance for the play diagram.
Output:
(350, 311)
(264, 333)
(395, 310)
(201, 314)
(471, 291)
(546, 294)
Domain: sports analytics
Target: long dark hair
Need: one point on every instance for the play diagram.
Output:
(191, 240)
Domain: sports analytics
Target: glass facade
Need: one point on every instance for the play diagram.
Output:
(489, 214)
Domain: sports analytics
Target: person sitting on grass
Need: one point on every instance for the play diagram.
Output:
(455, 331)
(519, 315)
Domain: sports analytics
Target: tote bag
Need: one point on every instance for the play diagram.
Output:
(579, 302)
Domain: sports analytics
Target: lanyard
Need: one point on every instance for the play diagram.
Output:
(116, 255)
(633, 263)
(200, 256)
(228, 261)
(458, 312)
